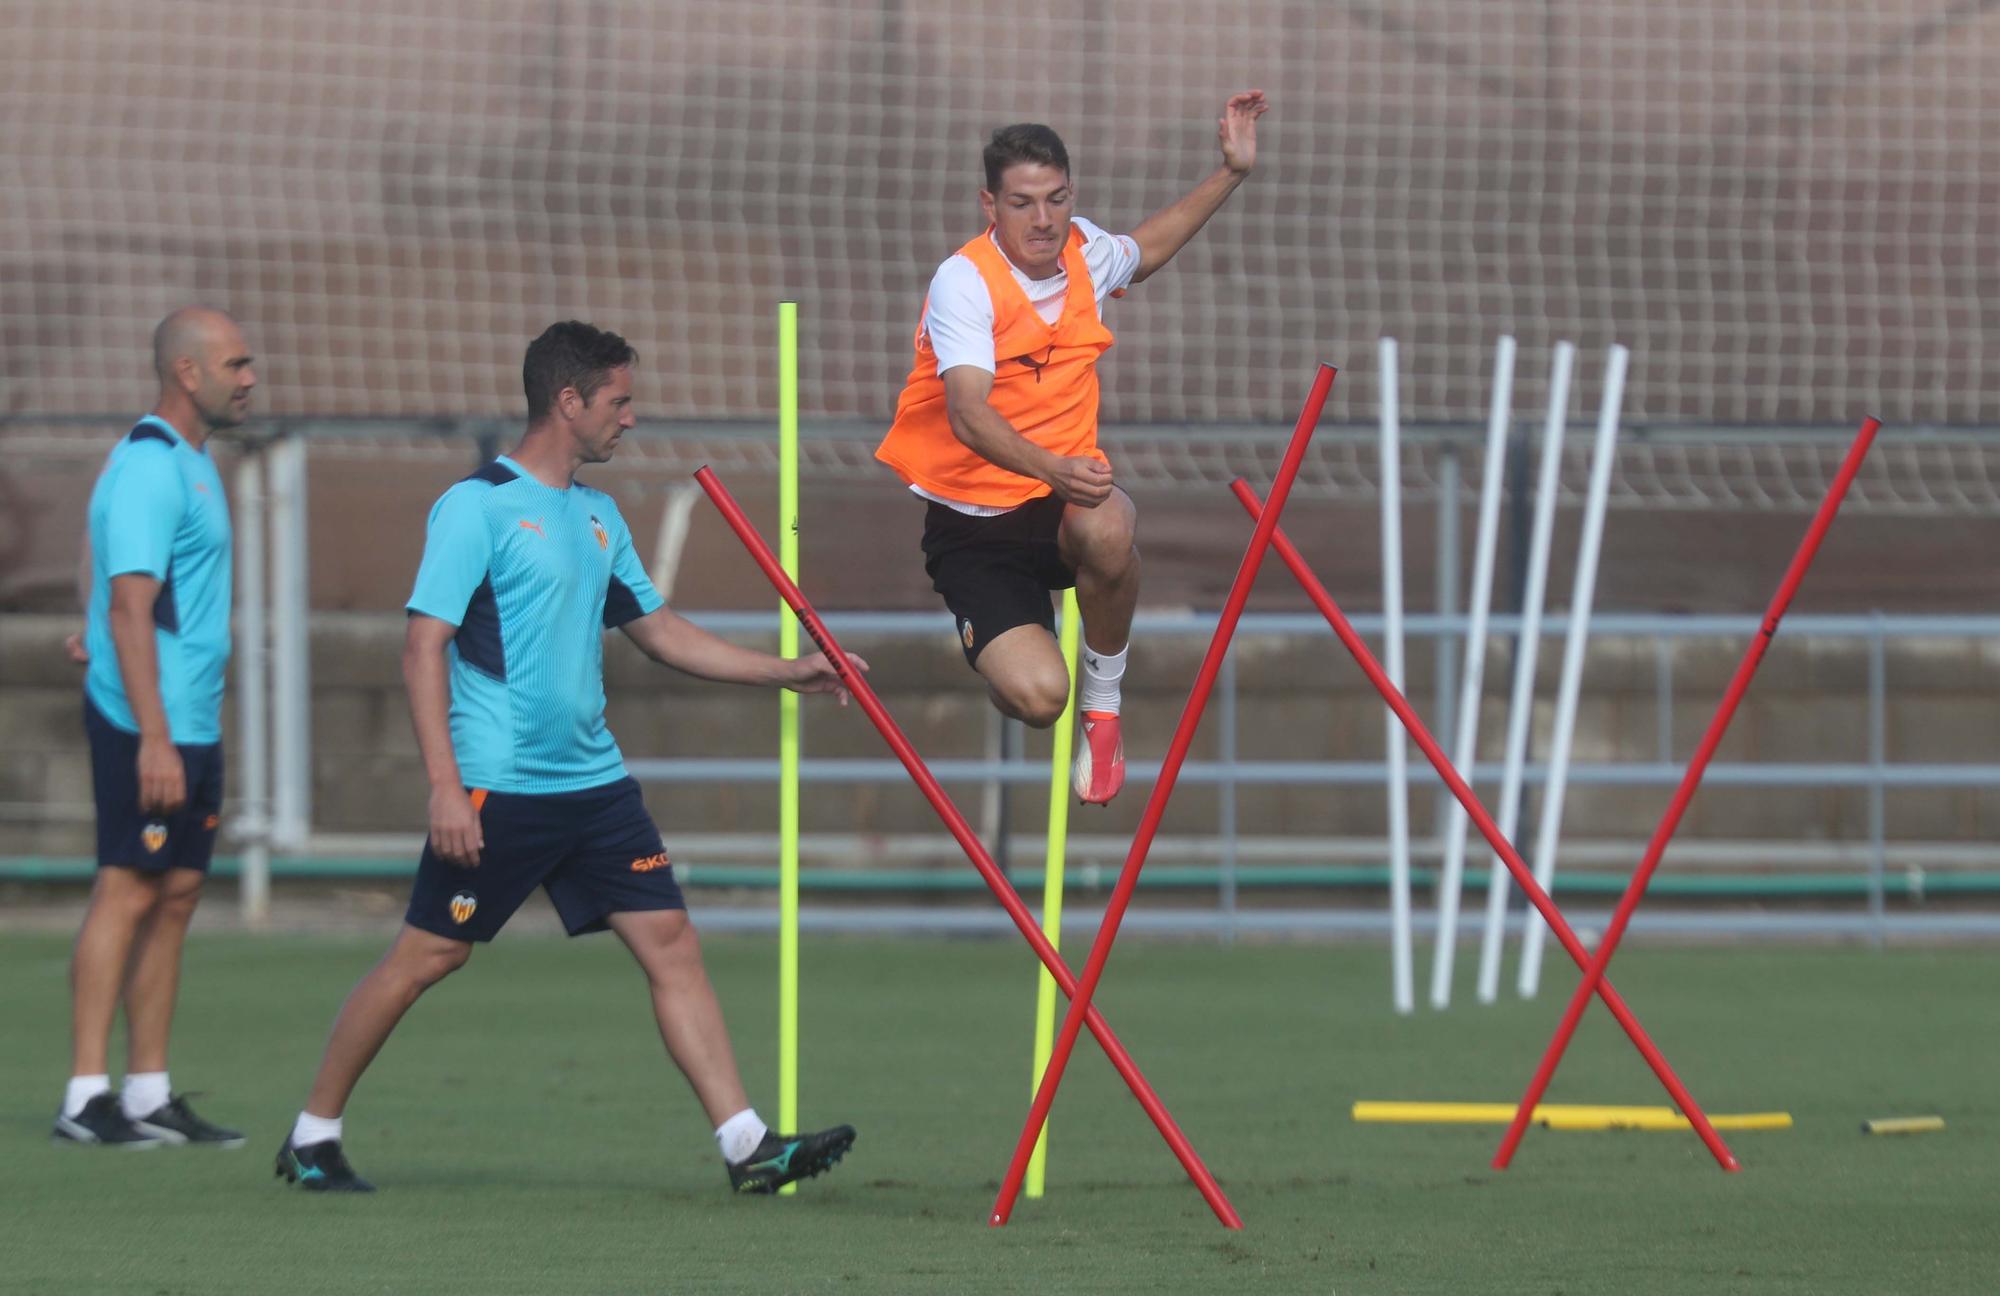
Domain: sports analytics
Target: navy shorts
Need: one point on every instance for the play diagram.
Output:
(996, 572)
(151, 843)
(596, 852)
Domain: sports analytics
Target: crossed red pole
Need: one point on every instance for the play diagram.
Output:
(1635, 890)
(857, 685)
(1163, 790)
(1523, 875)
(1266, 535)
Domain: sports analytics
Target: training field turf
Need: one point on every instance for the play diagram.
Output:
(528, 1135)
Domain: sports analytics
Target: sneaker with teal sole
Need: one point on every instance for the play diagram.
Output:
(786, 1158)
(319, 1167)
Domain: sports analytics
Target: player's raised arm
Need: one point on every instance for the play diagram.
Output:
(1167, 231)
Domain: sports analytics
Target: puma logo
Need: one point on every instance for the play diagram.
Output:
(536, 527)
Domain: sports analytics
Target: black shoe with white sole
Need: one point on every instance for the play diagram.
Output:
(103, 1121)
(175, 1122)
(786, 1158)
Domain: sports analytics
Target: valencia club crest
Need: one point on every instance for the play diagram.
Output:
(463, 905)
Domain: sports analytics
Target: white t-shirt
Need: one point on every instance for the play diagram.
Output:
(958, 317)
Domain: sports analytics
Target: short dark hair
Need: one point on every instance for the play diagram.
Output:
(571, 354)
(1022, 142)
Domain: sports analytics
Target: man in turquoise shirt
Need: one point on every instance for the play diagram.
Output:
(524, 569)
(157, 641)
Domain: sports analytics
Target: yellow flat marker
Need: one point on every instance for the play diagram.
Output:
(1557, 1116)
(1903, 1125)
(1463, 1113)
(1666, 1120)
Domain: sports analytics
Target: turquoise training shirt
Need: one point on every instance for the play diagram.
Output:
(158, 510)
(532, 576)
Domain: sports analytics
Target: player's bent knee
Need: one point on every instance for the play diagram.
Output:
(439, 964)
(1041, 703)
(1045, 715)
(178, 906)
(1031, 691)
(422, 959)
(125, 891)
(1114, 563)
(1105, 532)
(179, 893)
(666, 935)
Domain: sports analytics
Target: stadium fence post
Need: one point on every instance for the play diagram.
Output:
(1465, 749)
(253, 697)
(1402, 983)
(1509, 857)
(1163, 789)
(864, 696)
(1635, 890)
(290, 816)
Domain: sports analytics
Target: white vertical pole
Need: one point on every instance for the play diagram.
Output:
(1582, 595)
(291, 667)
(1451, 882)
(299, 587)
(1392, 628)
(675, 520)
(1520, 713)
(253, 754)
(1445, 645)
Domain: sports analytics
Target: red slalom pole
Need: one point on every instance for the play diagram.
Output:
(1725, 711)
(857, 685)
(1156, 803)
(1523, 875)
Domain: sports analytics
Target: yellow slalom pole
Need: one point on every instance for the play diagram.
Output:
(788, 728)
(1052, 881)
(1903, 1125)
(1660, 1121)
(1557, 1116)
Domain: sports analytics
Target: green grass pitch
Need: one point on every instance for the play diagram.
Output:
(528, 1134)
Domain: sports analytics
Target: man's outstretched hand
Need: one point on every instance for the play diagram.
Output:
(1236, 129)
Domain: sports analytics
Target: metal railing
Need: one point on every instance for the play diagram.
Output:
(1227, 862)
(1870, 770)
(277, 811)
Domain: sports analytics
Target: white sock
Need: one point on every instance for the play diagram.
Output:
(309, 1129)
(81, 1090)
(1102, 673)
(739, 1136)
(145, 1092)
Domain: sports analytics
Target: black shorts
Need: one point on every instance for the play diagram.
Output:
(996, 572)
(596, 852)
(129, 838)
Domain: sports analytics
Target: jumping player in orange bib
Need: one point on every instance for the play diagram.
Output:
(997, 430)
